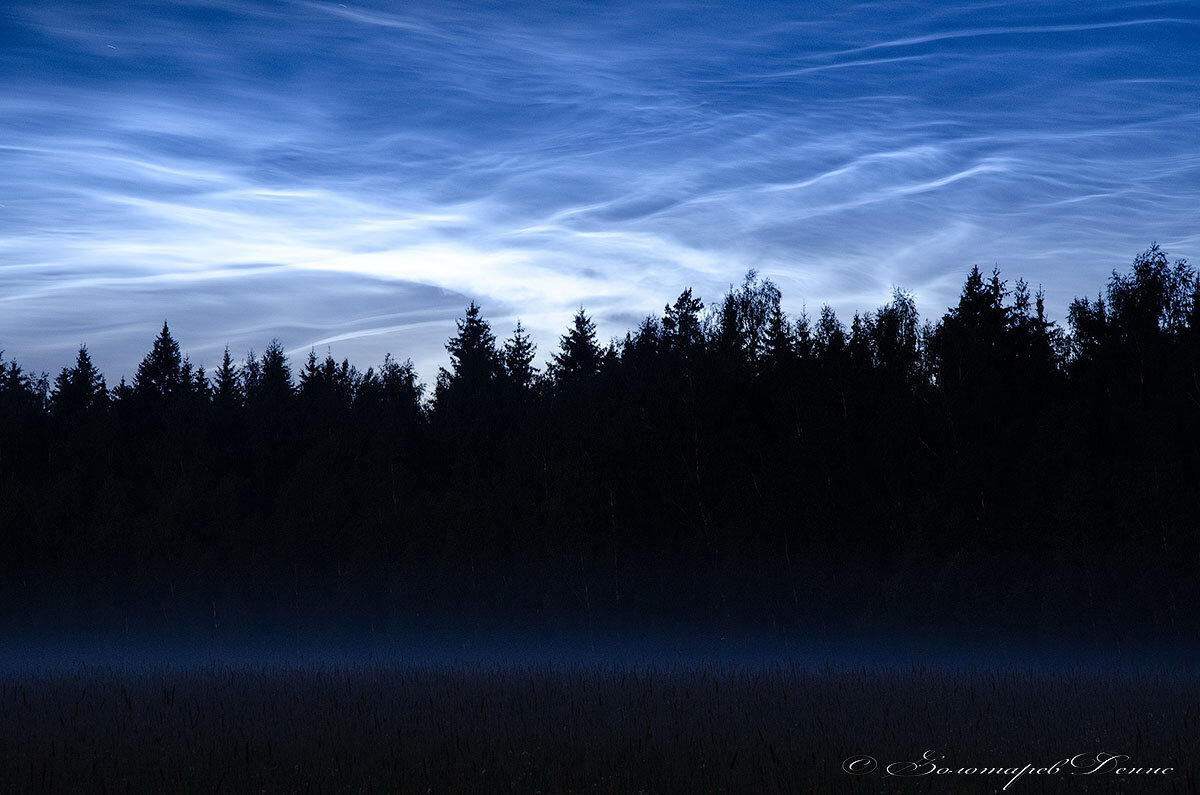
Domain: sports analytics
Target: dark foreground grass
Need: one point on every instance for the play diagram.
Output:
(579, 729)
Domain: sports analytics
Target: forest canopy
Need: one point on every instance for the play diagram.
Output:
(722, 462)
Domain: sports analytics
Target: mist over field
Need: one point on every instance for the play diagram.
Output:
(506, 647)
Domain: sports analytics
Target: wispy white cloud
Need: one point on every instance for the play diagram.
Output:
(349, 175)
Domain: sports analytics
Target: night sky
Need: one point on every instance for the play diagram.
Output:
(348, 176)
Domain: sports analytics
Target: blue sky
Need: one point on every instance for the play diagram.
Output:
(348, 176)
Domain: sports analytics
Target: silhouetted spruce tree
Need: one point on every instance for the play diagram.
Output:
(830, 337)
(779, 351)
(78, 389)
(20, 395)
(830, 346)
(390, 397)
(971, 341)
(1036, 342)
(1049, 330)
(726, 338)
(226, 386)
(475, 363)
(250, 375)
(270, 382)
(200, 389)
(326, 387)
(311, 380)
(610, 356)
(802, 337)
(643, 346)
(579, 356)
(122, 396)
(519, 351)
(858, 345)
(162, 375)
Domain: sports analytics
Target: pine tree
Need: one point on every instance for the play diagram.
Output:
(162, 375)
(579, 355)
(199, 387)
(778, 345)
(474, 359)
(971, 341)
(274, 377)
(802, 337)
(80, 388)
(250, 376)
(310, 374)
(728, 341)
(475, 367)
(831, 334)
(392, 393)
(519, 351)
(226, 387)
(858, 346)
(18, 392)
(327, 386)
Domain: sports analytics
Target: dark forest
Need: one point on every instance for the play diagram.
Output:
(989, 471)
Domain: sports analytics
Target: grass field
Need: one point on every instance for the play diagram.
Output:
(588, 729)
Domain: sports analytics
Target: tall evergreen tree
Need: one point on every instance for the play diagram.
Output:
(270, 383)
(226, 386)
(1035, 341)
(326, 386)
(162, 374)
(858, 346)
(779, 349)
(726, 336)
(475, 363)
(802, 337)
(19, 393)
(519, 351)
(830, 338)
(250, 375)
(972, 339)
(579, 356)
(80, 388)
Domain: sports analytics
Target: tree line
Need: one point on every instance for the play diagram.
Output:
(725, 464)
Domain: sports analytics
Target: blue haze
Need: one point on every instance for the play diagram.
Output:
(349, 175)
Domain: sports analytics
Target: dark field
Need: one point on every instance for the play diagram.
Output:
(619, 729)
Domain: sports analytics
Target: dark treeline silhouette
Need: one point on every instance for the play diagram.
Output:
(723, 464)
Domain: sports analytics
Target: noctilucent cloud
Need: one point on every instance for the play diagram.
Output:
(346, 176)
